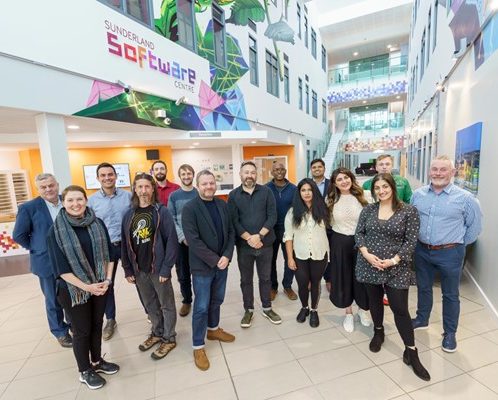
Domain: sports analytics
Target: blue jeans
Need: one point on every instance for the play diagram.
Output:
(449, 263)
(288, 273)
(55, 315)
(209, 293)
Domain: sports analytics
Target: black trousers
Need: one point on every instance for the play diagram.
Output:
(398, 301)
(86, 324)
(309, 272)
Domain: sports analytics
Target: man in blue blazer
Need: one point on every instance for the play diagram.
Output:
(211, 238)
(33, 221)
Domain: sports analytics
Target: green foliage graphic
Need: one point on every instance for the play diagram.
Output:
(244, 10)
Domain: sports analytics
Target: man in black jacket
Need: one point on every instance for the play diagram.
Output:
(210, 235)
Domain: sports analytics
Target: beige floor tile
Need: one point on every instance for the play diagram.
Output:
(48, 363)
(258, 357)
(219, 390)
(180, 377)
(491, 335)
(369, 384)
(48, 345)
(308, 393)
(9, 370)
(71, 395)
(472, 353)
(44, 385)
(20, 324)
(17, 352)
(462, 387)
(250, 337)
(291, 328)
(480, 321)
(335, 363)
(439, 369)
(316, 342)
(487, 376)
(392, 349)
(22, 336)
(141, 387)
(432, 338)
(271, 382)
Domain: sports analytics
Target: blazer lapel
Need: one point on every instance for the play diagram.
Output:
(43, 207)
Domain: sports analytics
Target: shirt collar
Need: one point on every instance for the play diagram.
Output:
(113, 194)
(447, 189)
(49, 204)
(321, 182)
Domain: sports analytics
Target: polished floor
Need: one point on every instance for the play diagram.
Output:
(288, 361)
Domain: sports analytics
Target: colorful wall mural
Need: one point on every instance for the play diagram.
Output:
(367, 92)
(221, 102)
(467, 157)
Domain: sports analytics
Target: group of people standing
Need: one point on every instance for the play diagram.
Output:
(325, 229)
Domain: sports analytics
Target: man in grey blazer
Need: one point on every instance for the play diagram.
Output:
(211, 238)
(33, 221)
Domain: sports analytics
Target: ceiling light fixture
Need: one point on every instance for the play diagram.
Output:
(196, 143)
(73, 127)
(355, 54)
(254, 141)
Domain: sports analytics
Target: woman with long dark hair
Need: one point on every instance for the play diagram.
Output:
(345, 201)
(307, 246)
(79, 248)
(386, 237)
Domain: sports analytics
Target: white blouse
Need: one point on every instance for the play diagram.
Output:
(345, 215)
(309, 239)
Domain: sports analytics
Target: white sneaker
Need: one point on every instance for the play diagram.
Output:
(348, 323)
(364, 317)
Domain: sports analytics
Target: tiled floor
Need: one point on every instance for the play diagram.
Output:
(289, 361)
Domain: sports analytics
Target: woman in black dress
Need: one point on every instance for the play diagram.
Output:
(79, 247)
(386, 237)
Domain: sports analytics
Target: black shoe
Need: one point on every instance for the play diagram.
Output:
(377, 340)
(314, 320)
(66, 340)
(92, 379)
(303, 313)
(105, 367)
(410, 357)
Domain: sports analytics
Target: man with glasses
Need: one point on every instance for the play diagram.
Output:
(33, 222)
(164, 187)
(110, 204)
(253, 212)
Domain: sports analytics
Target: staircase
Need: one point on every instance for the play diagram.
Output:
(331, 152)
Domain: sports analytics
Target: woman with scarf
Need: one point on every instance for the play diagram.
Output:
(79, 248)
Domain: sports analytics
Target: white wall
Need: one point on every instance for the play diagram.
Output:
(9, 160)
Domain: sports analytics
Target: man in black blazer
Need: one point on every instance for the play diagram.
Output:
(210, 237)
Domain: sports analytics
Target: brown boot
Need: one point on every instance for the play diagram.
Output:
(273, 294)
(185, 310)
(221, 335)
(290, 294)
(201, 360)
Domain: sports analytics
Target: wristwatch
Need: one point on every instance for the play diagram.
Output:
(109, 281)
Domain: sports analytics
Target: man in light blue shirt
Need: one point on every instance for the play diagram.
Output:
(450, 219)
(110, 204)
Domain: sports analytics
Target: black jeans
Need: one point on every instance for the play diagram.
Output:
(183, 272)
(309, 272)
(246, 256)
(288, 273)
(86, 324)
(398, 301)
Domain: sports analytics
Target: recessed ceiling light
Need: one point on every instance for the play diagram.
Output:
(254, 141)
(191, 147)
(127, 145)
(73, 127)
(389, 46)
(393, 49)
(196, 143)
(364, 101)
(355, 53)
(398, 97)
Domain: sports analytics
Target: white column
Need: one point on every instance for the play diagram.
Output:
(52, 141)
(237, 159)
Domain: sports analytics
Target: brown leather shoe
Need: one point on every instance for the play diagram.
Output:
(329, 286)
(273, 294)
(290, 293)
(185, 310)
(163, 350)
(221, 335)
(201, 360)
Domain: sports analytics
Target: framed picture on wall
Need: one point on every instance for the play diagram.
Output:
(90, 175)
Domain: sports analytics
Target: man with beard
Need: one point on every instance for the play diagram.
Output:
(253, 212)
(210, 234)
(149, 249)
(284, 192)
(164, 187)
(176, 202)
(110, 204)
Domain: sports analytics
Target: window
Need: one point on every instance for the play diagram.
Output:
(253, 61)
(313, 43)
(286, 84)
(324, 111)
(324, 59)
(271, 74)
(185, 18)
(429, 21)
(299, 21)
(139, 10)
(220, 57)
(307, 99)
(434, 30)
(314, 104)
(422, 55)
(251, 24)
(300, 93)
(306, 31)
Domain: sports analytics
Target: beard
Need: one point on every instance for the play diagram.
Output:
(160, 177)
(249, 182)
